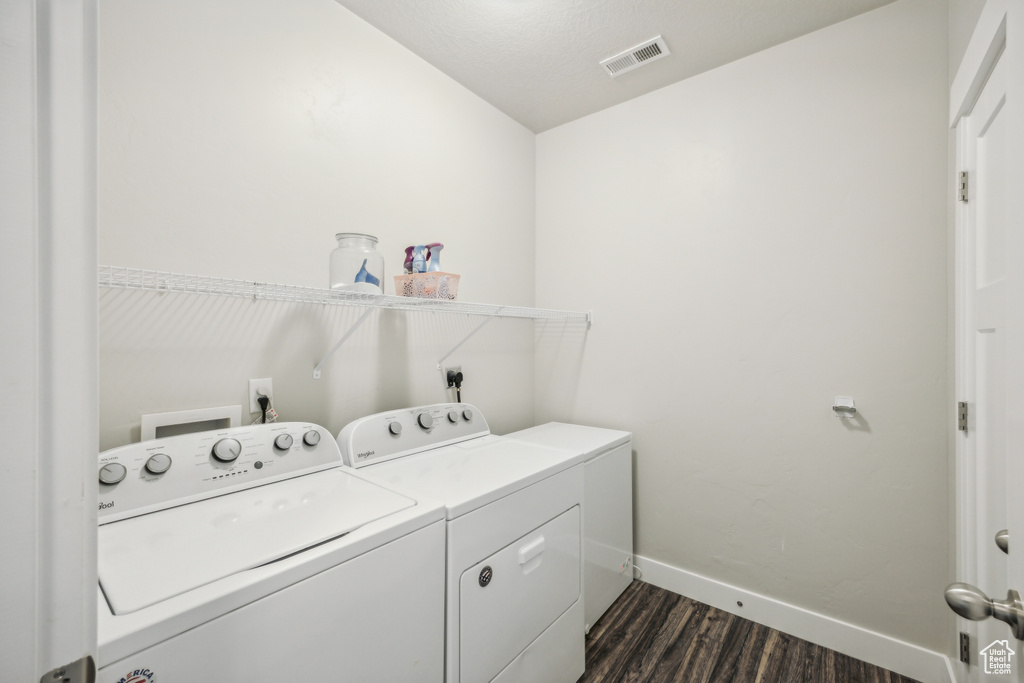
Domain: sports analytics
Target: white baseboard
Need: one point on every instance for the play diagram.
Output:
(878, 649)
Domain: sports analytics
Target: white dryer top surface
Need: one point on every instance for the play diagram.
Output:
(150, 558)
(470, 474)
(590, 441)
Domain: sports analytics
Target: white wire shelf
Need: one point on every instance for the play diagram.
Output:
(158, 281)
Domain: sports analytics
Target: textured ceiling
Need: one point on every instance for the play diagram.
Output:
(537, 60)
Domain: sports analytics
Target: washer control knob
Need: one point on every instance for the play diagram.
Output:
(453, 416)
(283, 442)
(426, 420)
(395, 428)
(112, 472)
(467, 415)
(227, 450)
(311, 438)
(158, 463)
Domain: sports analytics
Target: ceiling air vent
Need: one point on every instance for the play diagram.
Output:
(635, 57)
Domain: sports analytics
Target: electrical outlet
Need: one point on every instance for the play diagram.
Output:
(257, 387)
(445, 371)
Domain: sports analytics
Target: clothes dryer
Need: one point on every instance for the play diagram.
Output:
(607, 507)
(513, 587)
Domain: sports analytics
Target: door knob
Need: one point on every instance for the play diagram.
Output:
(971, 603)
(1003, 540)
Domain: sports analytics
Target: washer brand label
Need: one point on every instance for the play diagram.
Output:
(139, 676)
(104, 506)
(363, 456)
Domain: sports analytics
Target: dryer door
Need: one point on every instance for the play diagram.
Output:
(509, 599)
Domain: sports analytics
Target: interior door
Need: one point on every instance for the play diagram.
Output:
(982, 142)
(986, 107)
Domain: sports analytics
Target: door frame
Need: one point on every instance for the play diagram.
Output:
(49, 335)
(1015, 289)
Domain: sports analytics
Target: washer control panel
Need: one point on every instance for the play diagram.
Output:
(152, 475)
(398, 433)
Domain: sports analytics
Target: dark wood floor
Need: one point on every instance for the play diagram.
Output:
(653, 635)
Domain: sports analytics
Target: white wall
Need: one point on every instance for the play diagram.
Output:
(963, 17)
(19, 339)
(235, 139)
(755, 241)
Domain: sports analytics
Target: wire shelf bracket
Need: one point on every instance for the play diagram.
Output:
(344, 338)
(466, 338)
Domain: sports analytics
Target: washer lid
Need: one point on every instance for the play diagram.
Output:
(468, 475)
(144, 560)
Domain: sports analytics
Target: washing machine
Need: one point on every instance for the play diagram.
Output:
(607, 507)
(514, 582)
(251, 554)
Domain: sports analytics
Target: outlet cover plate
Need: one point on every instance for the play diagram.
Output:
(267, 384)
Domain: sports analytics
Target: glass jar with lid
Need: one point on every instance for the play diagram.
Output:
(356, 265)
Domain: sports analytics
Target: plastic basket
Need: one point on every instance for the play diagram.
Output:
(434, 285)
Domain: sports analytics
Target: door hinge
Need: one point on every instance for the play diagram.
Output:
(962, 191)
(961, 416)
(82, 671)
(965, 647)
